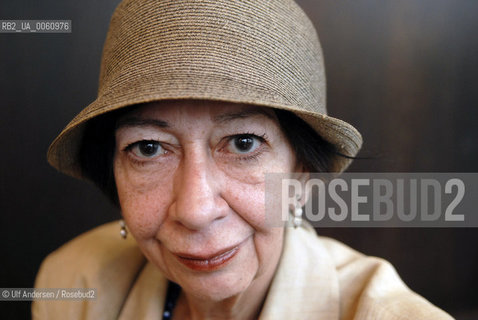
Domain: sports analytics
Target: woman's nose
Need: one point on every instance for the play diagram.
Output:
(198, 202)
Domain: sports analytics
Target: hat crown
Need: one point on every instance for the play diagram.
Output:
(254, 51)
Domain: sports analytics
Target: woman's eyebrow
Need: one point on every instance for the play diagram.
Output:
(140, 122)
(226, 117)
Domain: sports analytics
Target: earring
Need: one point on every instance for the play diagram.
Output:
(297, 217)
(297, 214)
(123, 230)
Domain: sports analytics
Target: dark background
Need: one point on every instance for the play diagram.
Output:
(403, 72)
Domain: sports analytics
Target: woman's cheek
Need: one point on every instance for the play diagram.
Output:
(246, 173)
(143, 198)
(142, 177)
(143, 214)
(246, 200)
(253, 172)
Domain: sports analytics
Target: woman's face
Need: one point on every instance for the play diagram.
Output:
(190, 179)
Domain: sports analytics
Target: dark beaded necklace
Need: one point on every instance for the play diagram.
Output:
(171, 298)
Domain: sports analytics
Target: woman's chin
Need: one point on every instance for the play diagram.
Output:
(216, 289)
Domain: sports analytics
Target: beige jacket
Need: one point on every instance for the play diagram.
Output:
(318, 278)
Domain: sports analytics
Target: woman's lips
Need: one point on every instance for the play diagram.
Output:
(209, 263)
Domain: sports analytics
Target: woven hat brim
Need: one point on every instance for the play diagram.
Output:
(64, 152)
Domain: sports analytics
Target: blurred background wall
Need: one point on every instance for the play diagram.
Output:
(403, 72)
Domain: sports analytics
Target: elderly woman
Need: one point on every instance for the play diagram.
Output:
(197, 101)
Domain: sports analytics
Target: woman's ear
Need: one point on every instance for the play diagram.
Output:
(302, 176)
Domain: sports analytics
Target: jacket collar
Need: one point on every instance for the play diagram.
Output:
(306, 284)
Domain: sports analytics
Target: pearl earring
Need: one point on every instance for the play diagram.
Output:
(123, 231)
(297, 214)
(297, 217)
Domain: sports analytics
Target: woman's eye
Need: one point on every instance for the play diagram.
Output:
(244, 144)
(146, 149)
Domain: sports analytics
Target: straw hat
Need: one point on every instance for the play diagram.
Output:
(258, 52)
